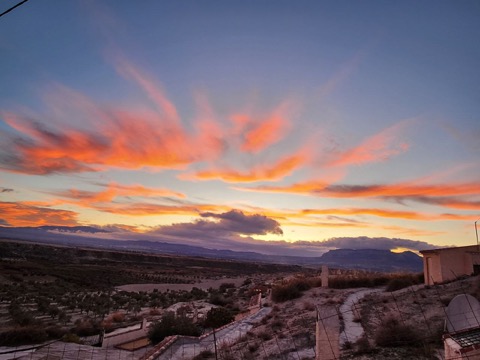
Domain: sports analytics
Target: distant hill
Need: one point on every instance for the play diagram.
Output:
(369, 259)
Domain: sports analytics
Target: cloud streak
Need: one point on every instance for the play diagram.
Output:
(447, 194)
(379, 147)
(113, 191)
(281, 168)
(24, 214)
(142, 137)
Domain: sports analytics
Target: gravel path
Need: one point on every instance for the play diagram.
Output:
(353, 330)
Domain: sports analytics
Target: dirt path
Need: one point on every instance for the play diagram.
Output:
(353, 329)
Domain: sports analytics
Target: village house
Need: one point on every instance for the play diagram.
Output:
(447, 264)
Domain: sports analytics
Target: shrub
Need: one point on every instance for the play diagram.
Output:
(362, 346)
(172, 325)
(217, 299)
(277, 323)
(55, 332)
(23, 336)
(71, 338)
(399, 283)
(217, 317)
(224, 286)
(392, 333)
(283, 293)
(308, 306)
(118, 317)
(265, 336)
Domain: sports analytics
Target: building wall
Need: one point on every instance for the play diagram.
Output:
(455, 263)
(432, 269)
(447, 264)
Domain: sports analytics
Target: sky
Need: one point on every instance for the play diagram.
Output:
(277, 126)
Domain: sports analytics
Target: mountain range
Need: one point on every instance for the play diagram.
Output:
(367, 259)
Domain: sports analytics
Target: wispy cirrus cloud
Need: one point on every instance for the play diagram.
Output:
(112, 191)
(152, 137)
(283, 167)
(386, 213)
(125, 140)
(150, 209)
(405, 190)
(433, 193)
(450, 202)
(299, 188)
(379, 147)
(25, 214)
(264, 131)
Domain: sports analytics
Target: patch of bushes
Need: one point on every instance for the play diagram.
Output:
(23, 336)
(347, 282)
(392, 281)
(253, 347)
(363, 346)
(392, 333)
(71, 338)
(170, 324)
(217, 317)
(291, 290)
(403, 281)
(55, 332)
(265, 336)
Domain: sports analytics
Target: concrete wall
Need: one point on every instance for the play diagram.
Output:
(447, 264)
(115, 338)
(455, 262)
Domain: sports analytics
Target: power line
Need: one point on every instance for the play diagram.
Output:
(13, 7)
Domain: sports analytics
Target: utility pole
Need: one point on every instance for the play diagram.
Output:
(215, 343)
(476, 234)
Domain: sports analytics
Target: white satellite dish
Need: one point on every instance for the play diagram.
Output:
(463, 313)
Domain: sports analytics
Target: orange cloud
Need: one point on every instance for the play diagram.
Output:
(277, 171)
(403, 190)
(435, 194)
(164, 105)
(451, 202)
(148, 209)
(23, 214)
(302, 188)
(379, 147)
(111, 138)
(140, 137)
(387, 213)
(112, 191)
(265, 131)
(412, 232)
(211, 133)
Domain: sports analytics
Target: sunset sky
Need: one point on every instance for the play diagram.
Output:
(226, 124)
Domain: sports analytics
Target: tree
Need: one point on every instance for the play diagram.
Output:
(170, 324)
(217, 317)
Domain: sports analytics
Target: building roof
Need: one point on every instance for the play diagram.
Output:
(474, 248)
